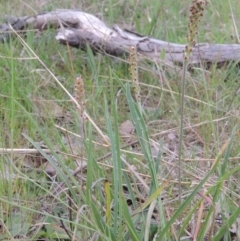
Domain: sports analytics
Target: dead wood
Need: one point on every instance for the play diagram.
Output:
(80, 29)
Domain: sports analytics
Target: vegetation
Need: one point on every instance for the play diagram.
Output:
(99, 148)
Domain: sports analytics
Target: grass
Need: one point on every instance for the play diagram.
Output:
(115, 187)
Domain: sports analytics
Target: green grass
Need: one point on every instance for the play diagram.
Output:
(35, 108)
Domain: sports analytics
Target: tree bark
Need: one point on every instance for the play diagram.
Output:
(79, 29)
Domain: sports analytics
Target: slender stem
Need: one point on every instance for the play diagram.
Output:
(181, 127)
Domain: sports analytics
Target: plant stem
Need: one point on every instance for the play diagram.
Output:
(185, 63)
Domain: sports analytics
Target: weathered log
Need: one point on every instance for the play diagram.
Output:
(80, 29)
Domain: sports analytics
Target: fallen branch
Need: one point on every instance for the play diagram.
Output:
(80, 29)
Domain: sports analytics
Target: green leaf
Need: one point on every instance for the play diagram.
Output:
(128, 221)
